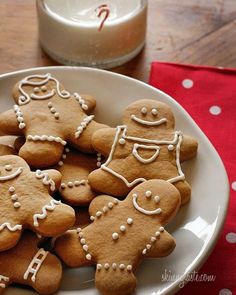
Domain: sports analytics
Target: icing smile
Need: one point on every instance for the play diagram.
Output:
(149, 123)
(13, 175)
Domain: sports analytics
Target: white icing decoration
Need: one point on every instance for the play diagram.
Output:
(3, 280)
(147, 147)
(122, 228)
(8, 167)
(144, 111)
(71, 184)
(85, 247)
(99, 213)
(13, 175)
(44, 88)
(45, 208)
(148, 123)
(115, 236)
(154, 112)
(19, 117)
(121, 132)
(17, 205)
(46, 138)
(64, 156)
(161, 229)
(11, 189)
(153, 239)
(129, 221)
(99, 159)
(122, 141)
(45, 179)
(114, 266)
(157, 234)
(25, 98)
(81, 101)
(35, 264)
(142, 210)
(85, 122)
(156, 199)
(92, 218)
(10, 227)
(148, 194)
(170, 147)
(53, 110)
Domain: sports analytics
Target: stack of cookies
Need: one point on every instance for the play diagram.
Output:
(104, 195)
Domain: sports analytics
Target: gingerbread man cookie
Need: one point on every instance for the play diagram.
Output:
(29, 265)
(26, 202)
(75, 167)
(122, 234)
(49, 117)
(145, 147)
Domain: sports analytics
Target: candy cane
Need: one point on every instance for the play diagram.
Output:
(101, 10)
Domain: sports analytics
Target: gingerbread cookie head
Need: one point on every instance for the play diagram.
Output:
(26, 202)
(49, 117)
(30, 265)
(149, 115)
(122, 234)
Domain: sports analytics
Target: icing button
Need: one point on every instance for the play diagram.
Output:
(171, 147)
(130, 221)
(88, 257)
(106, 265)
(11, 189)
(114, 266)
(83, 241)
(148, 194)
(110, 205)
(161, 229)
(105, 209)
(14, 197)
(99, 266)
(92, 218)
(157, 234)
(99, 213)
(17, 205)
(122, 228)
(122, 141)
(153, 239)
(122, 266)
(129, 267)
(115, 236)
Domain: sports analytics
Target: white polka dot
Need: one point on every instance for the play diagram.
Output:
(215, 110)
(231, 238)
(234, 185)
(187, 83)
(225, 292)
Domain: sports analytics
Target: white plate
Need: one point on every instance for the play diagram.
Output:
(197, 225)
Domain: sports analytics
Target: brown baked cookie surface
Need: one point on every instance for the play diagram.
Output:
(49, 117)
(26, 202)
(122, 234)
(145, 147)
(30, 265)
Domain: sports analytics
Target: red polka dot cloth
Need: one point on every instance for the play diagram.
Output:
(209, 96)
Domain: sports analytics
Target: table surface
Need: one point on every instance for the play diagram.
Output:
(196, 32)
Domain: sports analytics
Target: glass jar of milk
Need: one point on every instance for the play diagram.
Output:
(97, 33)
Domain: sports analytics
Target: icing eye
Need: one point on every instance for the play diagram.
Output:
(154, 112)
(44, 88)
(8, 167)
(36, 89)
(144, 110)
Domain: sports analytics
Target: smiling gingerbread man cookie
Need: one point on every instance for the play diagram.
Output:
(49, 117)
(26, 202)
(145, 147)
(122, 234)
(27, 264)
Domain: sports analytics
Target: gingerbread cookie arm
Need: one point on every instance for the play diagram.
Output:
(9, 124)
(55, 176)
(89, 103)
(101, 204)
(188, 148)
(9, 235)
(70, 251)
(162, 244)
(103, 139)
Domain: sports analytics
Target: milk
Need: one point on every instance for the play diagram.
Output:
(69, 31)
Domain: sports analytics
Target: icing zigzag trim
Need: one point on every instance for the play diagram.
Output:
(43, 215)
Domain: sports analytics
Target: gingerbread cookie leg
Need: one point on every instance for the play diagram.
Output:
(118, 279)
(29, 265)
(9, 235)
(185, 191)
(49, 152)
